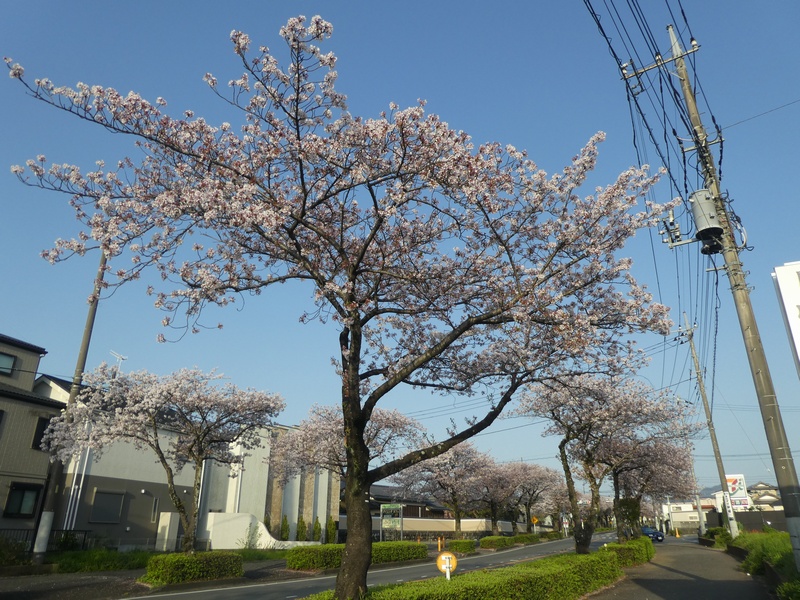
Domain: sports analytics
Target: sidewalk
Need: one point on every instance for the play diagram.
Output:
(682, 569)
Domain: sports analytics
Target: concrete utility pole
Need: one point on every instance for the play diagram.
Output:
(730, 520)
(782, 460)
(56, 469)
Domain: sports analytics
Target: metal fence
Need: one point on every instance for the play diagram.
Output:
(60, 539)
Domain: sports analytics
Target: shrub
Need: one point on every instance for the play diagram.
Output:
(302, 529)
(633, 552)
(461, 546)
(330, 531)
(494, 542)
(164, 569)
(12, 552)
(317, 531)
(251, 538)
(789, 590)
(315, 558)
(526, 538)
(563, 577)
(553, 535)
(255, 554)
(383, 552)
(285, 528)
(329, 556)
(774, 547)
(720, 535)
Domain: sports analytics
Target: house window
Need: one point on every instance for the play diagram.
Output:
(154, 514)
(6, 363)
(107, 507)
(41, 425)
(22, 500)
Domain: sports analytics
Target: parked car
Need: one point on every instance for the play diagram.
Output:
(653, 534)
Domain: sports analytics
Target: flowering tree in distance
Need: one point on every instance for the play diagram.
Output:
(589, 414)
(452, 479)
(317, 442)
(654, 467)
(443, 264)
(535, 489)
(183, 418)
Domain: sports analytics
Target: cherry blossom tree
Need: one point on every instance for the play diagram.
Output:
(535, 488)
(452, 479)
(318, 442)
(441, 263)
(588, 413)
(497, 492)
(655, 467)
(184, 418)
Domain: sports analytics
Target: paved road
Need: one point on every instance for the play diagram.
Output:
(281, 590)
(681, 570)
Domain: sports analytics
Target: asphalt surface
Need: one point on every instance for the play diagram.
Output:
(681, 570)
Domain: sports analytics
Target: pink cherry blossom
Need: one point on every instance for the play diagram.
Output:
(187, 417)
(440, 263)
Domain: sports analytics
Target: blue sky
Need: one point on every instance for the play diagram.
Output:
(535, 75)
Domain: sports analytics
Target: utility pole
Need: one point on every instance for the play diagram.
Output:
(56, 469)
(726, 492)
(782, 460)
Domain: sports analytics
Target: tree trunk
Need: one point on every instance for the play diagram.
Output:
(352, 579)
(583, 532)
(494, 518)
(351, 582)
(457, 518)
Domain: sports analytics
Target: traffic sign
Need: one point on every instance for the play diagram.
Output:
(446, 562)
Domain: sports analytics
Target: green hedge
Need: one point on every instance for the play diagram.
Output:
(634, 552)
(329, 556)
(164, 569)
(563, 577)
(494, 542)
(526, 538)
(461, 546)
(553, 535)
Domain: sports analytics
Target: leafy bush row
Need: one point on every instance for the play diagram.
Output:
(164, 569)
(329, 556)
(461, 546)
(563, 577)
(495, 542)
(635, 552)
(553, 535)
(526, 538)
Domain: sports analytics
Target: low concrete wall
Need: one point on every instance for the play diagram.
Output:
(230, 531)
